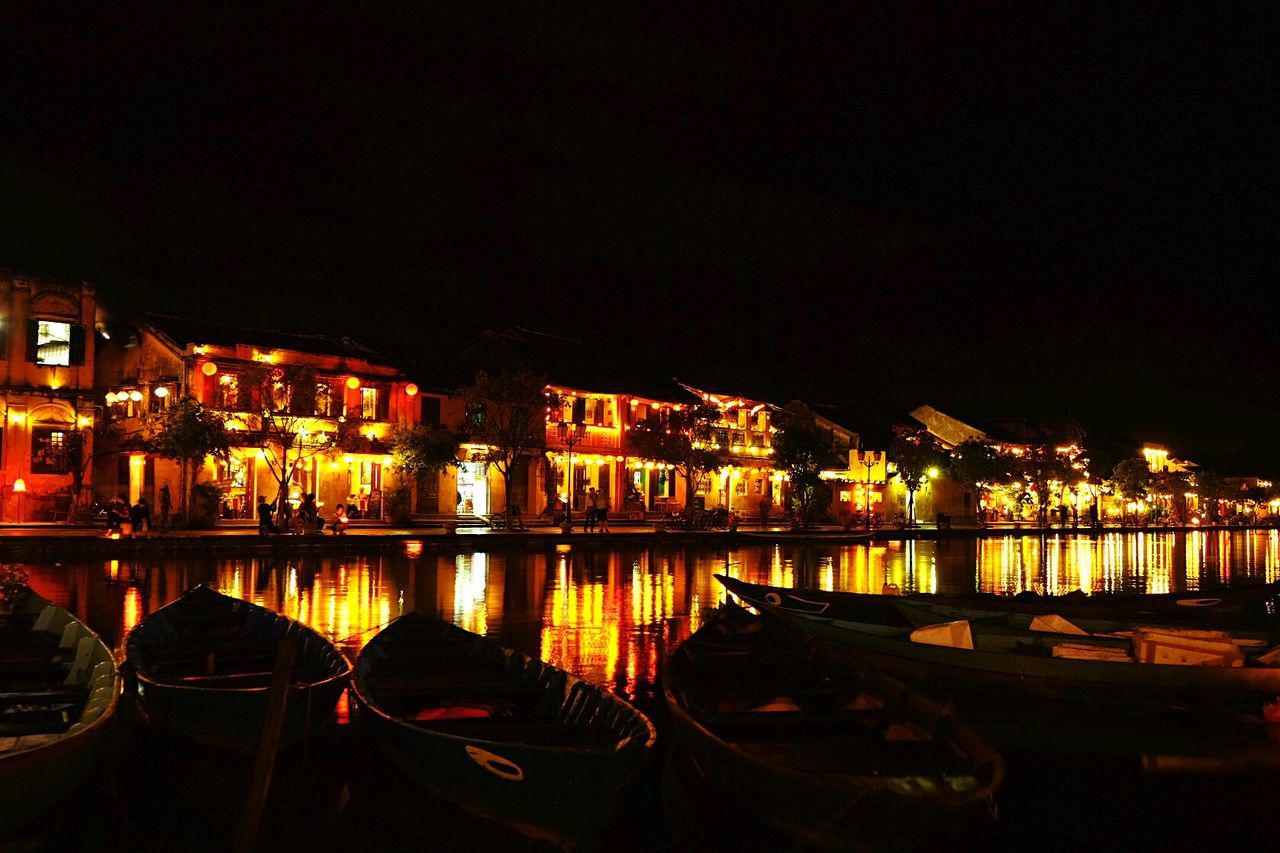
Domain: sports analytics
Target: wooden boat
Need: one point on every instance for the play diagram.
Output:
(506, 736)
(853, 760)
(59, 688)
(964, 656)
(203, 666)
(1227, 608)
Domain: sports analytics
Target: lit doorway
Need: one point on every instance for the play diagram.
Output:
(473, 488)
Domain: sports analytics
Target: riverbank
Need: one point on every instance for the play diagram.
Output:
(69, 540)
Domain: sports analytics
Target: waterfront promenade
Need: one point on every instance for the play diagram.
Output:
(52, 538)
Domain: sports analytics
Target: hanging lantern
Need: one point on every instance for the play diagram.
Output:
(208, 368)
(19, 485)
(135, 396)
(353, 382)
(111, 397)
(411, 390)
(162, 391)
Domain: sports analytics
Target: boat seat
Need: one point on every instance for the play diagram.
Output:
(860, 756)
(34, 722)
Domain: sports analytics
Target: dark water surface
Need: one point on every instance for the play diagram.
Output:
(611, 616)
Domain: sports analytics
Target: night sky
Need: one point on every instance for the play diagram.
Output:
(998, 210)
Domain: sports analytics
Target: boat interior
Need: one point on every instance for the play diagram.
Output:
(433, 676)
(774, 700)
(224, 644)
(56, 677)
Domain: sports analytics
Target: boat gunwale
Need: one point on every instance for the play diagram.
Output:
(142, 676)
(619, 746)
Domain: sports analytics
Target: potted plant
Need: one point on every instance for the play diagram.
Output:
(13, 589)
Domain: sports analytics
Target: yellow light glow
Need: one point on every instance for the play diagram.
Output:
(348, 458)
(161, 392)
(353, 382)
(933, 473)
(19, 485)
(17, 417)
(411, 390)
(262, 454)
(111, 397)
(135, 396)
(84, 422)
(386, 460)
(208, 368)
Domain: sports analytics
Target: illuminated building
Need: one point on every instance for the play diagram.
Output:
(47, 377)
(341, 435)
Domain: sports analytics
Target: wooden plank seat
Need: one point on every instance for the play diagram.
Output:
(43, 697)
(36, 722)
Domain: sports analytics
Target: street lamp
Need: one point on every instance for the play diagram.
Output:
(869, 462)
(570, 437)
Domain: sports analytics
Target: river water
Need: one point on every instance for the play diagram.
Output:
(611, 614)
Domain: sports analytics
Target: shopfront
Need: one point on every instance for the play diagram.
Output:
(473, 488)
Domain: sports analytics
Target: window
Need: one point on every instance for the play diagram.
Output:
(53, 343)
(226, 394)
(324, 400)
(431, 411)
(49, 450)
(369, 403)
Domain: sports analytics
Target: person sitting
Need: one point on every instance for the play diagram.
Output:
(140, 516)
(309, 513)
(353, 509)
(341, 521)
(265, 523)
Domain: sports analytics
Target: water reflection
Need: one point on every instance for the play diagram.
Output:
(611, 616)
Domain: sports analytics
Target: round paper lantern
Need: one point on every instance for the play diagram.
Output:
(208, 368)
(353, 383)
(411, 390)
(161, 391)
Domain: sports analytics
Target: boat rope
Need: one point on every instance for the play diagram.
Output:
(365, 631)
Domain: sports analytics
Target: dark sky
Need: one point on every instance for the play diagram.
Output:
(996, 209)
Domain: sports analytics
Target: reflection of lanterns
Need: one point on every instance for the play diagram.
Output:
(208, 368)
(411, 390)
(19, 485)
(353, 383)
(162, 392)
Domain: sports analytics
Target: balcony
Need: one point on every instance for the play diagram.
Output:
(593, 437)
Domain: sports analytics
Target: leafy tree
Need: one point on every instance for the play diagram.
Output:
(685, 440)
(189, 433)
(977, 466)
(913, 454)
(1130, 478)
(802, 449)
(1212, 488)
(1172, 487)
(421, 450)
(506, 412)
(281, 404)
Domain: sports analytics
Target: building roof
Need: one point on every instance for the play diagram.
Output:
(185, 331)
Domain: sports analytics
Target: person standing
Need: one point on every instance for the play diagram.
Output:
(590, 526)
(166, 502)
(140, 515)
(602, 511)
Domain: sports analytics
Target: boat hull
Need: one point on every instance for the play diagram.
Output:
(881, 805)
(953, 671)
(560, 794)
(33, 780)
(229, 716)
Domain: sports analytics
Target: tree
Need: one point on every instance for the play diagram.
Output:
(684, 439)
(801, 449)
(506, 412)
(913, 455)
(281, 402)
(1130, 478)
(420, 450)
(977, 466)
(1212, 488)
(1172, 486)
(189, 433)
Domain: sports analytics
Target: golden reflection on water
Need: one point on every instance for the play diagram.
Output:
(613, 616)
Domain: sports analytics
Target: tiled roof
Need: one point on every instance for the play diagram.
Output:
(185, 331)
